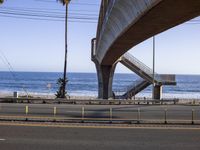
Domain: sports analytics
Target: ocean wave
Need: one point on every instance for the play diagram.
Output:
(85, 84)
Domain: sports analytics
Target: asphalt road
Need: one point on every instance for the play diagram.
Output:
(54, 138)
(174, 112)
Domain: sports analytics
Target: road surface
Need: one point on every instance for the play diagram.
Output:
(96, 138)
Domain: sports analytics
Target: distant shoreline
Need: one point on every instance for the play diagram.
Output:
(80, 97)
(129, 73)
(86, 85)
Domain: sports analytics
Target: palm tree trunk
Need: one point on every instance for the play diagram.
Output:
(66, 46)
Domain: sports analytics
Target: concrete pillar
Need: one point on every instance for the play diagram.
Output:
(157, 92)
(105, 79)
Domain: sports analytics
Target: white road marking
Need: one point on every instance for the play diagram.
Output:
(2, 139)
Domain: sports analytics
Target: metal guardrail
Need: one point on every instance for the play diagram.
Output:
(109, 115)
(147, 70)
(129, 87)
(82, 101)
(168, 77)
(136, 89)
(140, 65)
(134, 84)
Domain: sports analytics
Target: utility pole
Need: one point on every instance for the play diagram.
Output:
(153, 66)
(66, 2)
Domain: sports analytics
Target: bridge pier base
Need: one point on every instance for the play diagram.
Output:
(105, 79)
(157, 92)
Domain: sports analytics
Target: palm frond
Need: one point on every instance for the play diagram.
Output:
(64, 1)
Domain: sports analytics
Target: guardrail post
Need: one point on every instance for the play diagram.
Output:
(165, 116)
(193, 116)
(110, 115)
(26, 110)
(83, 114)
(138, 116)
(54, 111)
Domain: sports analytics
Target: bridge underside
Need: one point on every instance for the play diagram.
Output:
(122, 33)
(125, 23)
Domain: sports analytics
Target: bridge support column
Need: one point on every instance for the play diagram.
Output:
(105, 79)
(157, 92)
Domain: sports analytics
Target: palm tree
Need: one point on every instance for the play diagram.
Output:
(1, 1)
(64, 1)
(59, 93)
(65, 80)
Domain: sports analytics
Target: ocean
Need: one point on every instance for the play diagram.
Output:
(85, 84)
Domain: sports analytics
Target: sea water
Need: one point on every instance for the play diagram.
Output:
(85, 84)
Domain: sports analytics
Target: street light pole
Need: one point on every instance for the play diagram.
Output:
(66, 50)
(153, 65)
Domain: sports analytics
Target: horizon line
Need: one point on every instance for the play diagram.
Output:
(87, 72)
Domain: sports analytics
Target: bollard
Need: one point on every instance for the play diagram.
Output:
(83, 114)
(138, 116)
(26, 110)
(54, 111)
(193, 116)
(110, 115)
(165, 116)
(193, 102)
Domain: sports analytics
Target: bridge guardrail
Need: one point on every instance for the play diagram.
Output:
(149, 71)
(141, 65)
(168, 77)
(128, 88)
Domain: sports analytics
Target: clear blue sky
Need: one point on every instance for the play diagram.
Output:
(38, 45)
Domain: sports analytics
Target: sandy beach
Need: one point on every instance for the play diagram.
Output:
(52, 96)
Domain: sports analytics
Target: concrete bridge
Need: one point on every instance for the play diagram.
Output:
(124, 24)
